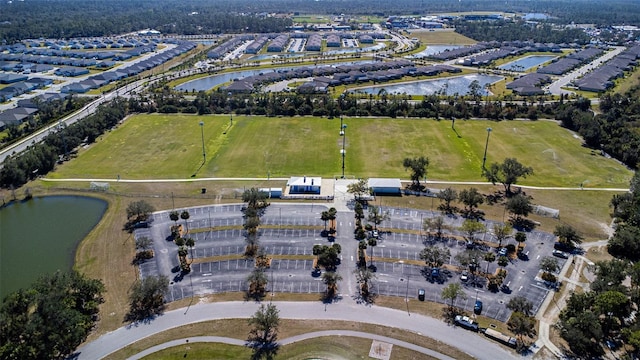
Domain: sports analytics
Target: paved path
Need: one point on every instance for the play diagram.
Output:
(345, 310)
(285, 179)
(293, 339)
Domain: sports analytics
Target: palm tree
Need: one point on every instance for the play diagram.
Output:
(257, 283)
(489, 257)
(324, 216)
(190, 243)
(364, 276)
(331, 278)
(373, 243)
(174, 216)
(184, 215)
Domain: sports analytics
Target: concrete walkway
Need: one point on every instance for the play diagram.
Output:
(291, 340)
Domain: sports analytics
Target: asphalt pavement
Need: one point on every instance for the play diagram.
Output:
(346, 310)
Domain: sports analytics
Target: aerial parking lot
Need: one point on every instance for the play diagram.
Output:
(289, 232)
(218, 263)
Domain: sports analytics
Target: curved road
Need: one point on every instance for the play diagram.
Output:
(293, 339)
(346, 310)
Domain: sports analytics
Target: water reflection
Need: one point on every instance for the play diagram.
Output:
(450, 86)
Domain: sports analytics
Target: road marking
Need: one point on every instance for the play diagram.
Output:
(520, 288)
(537, 257)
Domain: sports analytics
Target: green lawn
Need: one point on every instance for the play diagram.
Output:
(170, 146)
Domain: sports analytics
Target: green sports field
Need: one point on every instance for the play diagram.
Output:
(170, 146)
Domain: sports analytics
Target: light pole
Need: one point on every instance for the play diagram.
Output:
(343, 152)
(204, 154)
(486, 145)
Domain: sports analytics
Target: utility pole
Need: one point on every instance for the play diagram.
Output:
(486, 145)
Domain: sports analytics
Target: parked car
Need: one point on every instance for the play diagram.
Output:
(466, 322)
(477, 308)
(563, 247)
(375, 234)
(465, 276)
(502, 251)
(560, 254)
(421, 294)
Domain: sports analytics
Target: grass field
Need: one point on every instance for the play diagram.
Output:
(170, 146)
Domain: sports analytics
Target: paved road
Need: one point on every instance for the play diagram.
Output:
(346, 309)
(293, 339)
(556, 87)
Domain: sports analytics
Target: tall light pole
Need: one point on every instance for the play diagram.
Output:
(343, 152)
(204, 153)
(486, 145)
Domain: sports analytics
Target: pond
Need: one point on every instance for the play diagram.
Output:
(527, 62)
(432, 50)
(454, 85)
(209, 82)
(40, 236)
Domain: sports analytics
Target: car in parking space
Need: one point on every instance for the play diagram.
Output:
(563, 247)
(477, 308)
(375, 234)
(560, 254)
(464, 276)
(502, 251)
(421, 294)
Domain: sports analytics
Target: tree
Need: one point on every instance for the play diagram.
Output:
(507, 173)
(436, 224)
(51, 318)
(359, 188)
(190, 243)
(184, 215)
(447, 196)
(418, 167)
(520, 237)
(452, 292)
(471, 198)
(549, 264)
(376, 216)
(568, 235)
(263, 335)
(521, 325)
(471, 228)
(146, 297)
(359, 214)
(470, 258)
(143, 243)
(139, 210)
(174, 216)
(373, 242)
(257, 283)
(501, 232)
(331, 279)
(363, 277)
(435, 256)
(255, 198)
(489, 257)
(520, 304)
(520, 207)
(324, 216)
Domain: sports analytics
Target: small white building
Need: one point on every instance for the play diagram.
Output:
(305, 185)
(383, 186)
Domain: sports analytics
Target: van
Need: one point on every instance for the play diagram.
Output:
(421, 294)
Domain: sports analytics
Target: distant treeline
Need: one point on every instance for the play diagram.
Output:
(512, 31)
(75, 18)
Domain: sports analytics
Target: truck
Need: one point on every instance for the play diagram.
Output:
(500, 337)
